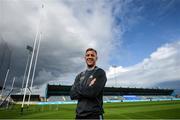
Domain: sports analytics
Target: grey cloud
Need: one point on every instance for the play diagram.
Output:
(174, 84)
(68, 28)
(170, 84)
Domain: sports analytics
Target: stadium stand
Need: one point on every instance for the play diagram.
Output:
(19, 98)
(56, 90)
(136, 91)
(61, 93)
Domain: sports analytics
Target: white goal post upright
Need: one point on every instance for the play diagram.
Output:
(34, 70)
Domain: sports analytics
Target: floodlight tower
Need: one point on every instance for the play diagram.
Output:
(30, 49)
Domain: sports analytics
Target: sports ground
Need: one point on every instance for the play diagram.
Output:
(122, 110)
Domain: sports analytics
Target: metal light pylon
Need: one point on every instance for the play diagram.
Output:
(30, 49)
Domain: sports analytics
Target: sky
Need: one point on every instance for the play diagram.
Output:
(137, 41)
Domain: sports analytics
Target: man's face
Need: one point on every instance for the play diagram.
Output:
(90, 58)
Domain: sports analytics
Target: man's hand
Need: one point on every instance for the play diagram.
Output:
(92, 82)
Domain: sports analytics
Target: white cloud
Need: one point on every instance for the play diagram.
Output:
(114, 71)
(164, 52)
(162, 66)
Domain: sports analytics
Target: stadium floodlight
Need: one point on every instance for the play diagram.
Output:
(27, 80)
(30, 49)
(29, 71)
(34, 70)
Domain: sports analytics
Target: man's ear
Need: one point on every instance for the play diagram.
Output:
(96, 58)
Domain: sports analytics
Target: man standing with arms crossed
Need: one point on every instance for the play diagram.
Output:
(88, 89)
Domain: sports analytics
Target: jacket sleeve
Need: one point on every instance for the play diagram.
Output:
(94, 90)
(74, 95)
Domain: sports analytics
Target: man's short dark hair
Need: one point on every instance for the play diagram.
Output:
(91, 49)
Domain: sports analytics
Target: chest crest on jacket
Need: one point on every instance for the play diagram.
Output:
(91, 76)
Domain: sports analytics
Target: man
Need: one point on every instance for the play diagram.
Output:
(88, 89)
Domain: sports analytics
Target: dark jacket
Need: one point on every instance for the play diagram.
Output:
(90, 98)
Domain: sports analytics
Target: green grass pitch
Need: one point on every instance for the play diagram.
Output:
(129, 110)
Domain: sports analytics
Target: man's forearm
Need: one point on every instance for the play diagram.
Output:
(92, 90)
(74, 94)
